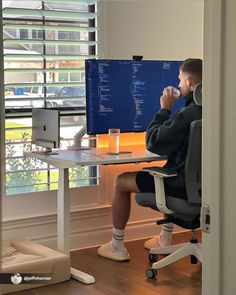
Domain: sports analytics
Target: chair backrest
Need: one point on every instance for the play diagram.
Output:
(185, 212)
(193, 164)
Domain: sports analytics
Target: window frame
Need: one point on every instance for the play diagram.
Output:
(68, 111)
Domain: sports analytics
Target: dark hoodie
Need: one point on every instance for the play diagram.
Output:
(169, 135)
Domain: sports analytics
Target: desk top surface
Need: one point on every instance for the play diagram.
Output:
(96, 156)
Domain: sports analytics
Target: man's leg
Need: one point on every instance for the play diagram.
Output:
(145, 183)
(124, 185)
(163, 239)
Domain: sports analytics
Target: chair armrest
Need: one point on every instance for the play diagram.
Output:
(161, 171)
(159, 174)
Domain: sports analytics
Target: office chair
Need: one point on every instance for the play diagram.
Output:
(184, 213)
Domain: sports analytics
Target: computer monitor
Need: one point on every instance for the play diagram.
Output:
(125, 94)
(46, 128)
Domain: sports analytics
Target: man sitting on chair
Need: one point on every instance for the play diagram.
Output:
(166, 135)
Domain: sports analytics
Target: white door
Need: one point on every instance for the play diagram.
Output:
(219, 147)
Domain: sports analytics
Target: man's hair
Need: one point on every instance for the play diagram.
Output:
(193, 67)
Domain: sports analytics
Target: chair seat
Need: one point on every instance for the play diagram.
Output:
(188, 224)
(186, 215)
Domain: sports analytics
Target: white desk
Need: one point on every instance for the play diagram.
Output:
(68, 159)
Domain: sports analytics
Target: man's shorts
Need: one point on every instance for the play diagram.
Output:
(145, 183)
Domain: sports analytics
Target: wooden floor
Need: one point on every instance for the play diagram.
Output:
(128, 278)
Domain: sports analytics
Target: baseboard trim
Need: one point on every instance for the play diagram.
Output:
(90, 227)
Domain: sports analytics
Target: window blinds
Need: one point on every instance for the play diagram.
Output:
(45, 45)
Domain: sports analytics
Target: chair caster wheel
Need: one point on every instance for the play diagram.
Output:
(153, 257)
(193, 259)
(151, 273)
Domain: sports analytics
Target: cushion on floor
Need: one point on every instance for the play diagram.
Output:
(24, 256)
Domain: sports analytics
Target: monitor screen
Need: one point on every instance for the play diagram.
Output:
(125, 94)
(46, 128)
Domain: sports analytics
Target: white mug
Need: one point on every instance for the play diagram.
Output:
(175, 91)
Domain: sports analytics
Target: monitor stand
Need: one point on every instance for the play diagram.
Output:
(77, 146)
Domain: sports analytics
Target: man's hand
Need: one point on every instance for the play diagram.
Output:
(168, 98)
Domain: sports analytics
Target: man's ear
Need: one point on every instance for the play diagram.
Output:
(190, 83)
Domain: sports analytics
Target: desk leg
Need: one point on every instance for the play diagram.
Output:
(63, 224)
(63, 215)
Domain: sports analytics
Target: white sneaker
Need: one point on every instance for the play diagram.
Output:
(155, 243)
(108, 251)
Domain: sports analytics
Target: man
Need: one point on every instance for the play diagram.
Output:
(166, 135)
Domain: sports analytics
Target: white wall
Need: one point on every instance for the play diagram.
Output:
(156, 29)
(170, 29)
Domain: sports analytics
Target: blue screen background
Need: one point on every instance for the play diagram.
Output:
(125, 94)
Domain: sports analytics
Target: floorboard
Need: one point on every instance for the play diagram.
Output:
(128, 278)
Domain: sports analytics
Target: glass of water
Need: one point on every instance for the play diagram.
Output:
(114, 141)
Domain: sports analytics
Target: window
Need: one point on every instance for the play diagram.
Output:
(45, 46)
(23, 34)
(37, 34)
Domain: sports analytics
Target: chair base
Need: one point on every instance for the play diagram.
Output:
(176, 252)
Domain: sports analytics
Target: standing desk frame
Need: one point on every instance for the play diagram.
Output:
(66, 159)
